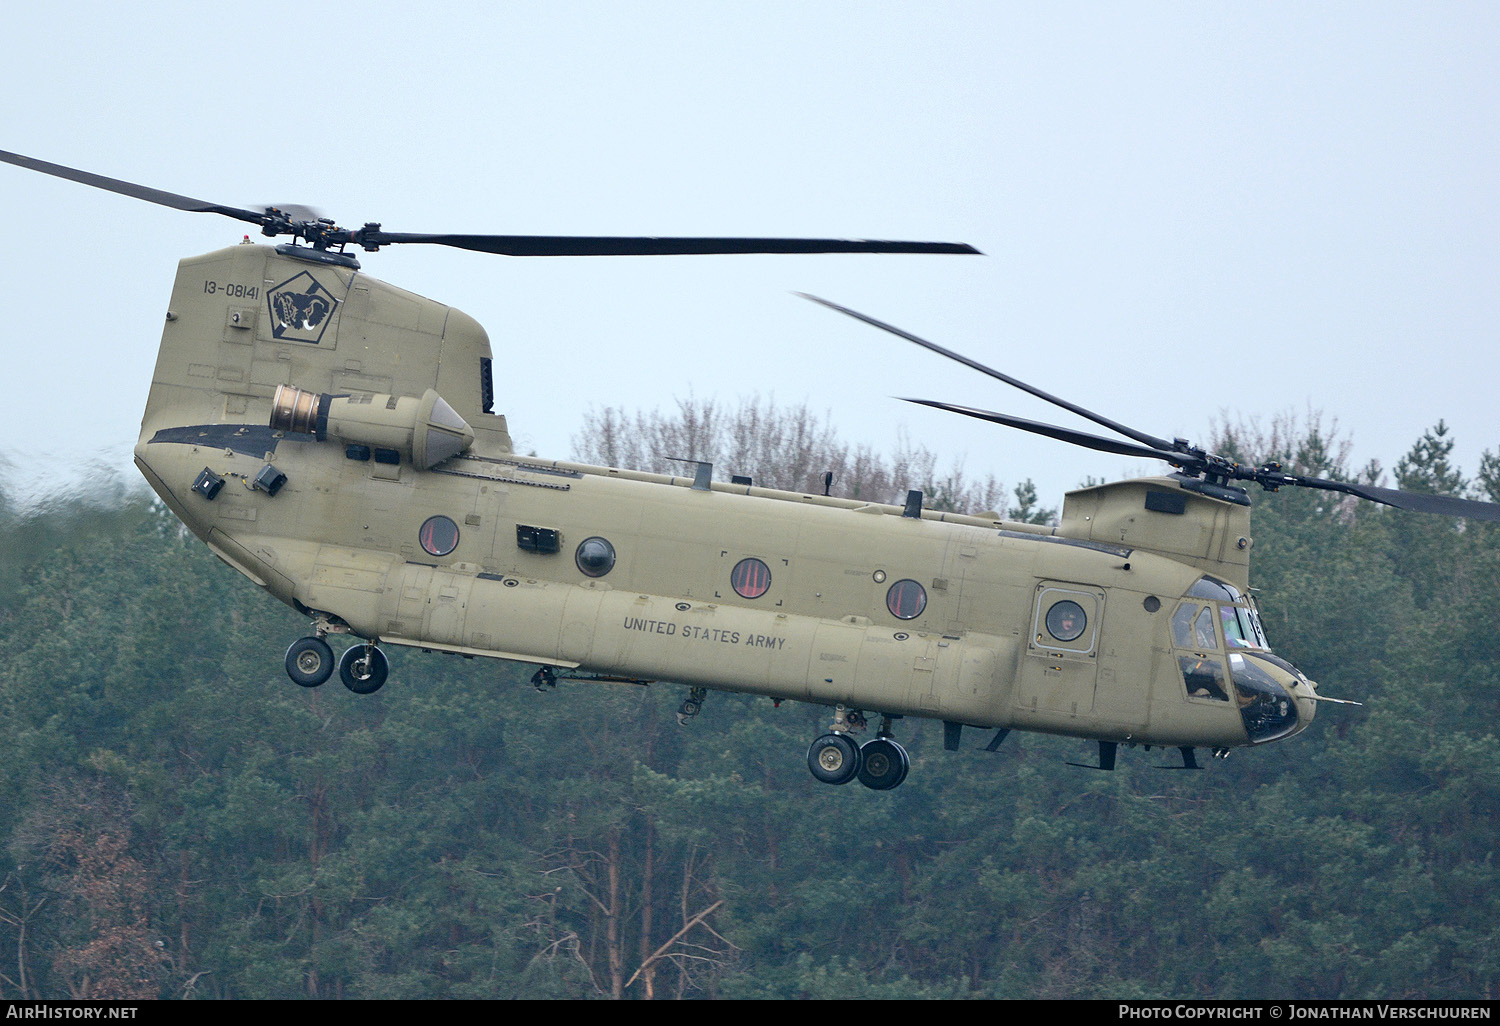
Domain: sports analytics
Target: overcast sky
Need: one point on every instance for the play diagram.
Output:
(1188, 211)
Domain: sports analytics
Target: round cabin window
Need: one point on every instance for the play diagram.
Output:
(750, 578)
(906, 599)
(1066, 620)
(439, 536)
(595, 557)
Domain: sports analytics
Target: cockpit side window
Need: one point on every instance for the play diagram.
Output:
(1197, 643)
(1182, 625)
(1203, 630)
(1204, 678)
(1193, 627)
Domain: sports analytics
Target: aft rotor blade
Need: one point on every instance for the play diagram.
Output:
(1100, 419)
(166, 199)
(302, 223)
(1417, 502)
(1083, 438)
(625, 245)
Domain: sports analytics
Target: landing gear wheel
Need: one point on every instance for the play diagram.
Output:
(883, 764)
(363, 669)
(309, 661)
(834, 759)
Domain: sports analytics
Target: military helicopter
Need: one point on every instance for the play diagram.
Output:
(333, 438)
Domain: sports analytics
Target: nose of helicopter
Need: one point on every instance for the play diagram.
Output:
(1275, 698)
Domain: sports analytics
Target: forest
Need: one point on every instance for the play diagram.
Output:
(178, 820)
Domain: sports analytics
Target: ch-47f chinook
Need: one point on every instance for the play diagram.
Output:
(331, 437)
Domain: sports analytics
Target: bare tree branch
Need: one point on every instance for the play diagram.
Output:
(657, 955)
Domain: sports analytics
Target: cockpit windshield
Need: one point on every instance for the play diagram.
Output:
(1238, 617)
(1242, 627)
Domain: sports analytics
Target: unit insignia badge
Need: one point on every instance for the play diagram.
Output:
(301, 309)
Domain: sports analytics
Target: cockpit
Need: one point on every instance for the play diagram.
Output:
(1222, 652)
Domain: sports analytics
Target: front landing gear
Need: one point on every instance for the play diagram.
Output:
(692, 706)
(363, 669)
(310, 662)
(880, 763)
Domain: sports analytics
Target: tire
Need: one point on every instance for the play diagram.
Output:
(883, 764)
(309, 661)
(363, 669)
(833, 759)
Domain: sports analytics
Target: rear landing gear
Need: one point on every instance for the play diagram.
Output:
(834, 759)
(880, 763)
(883, 764)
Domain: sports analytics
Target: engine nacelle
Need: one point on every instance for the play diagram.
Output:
(424, 430)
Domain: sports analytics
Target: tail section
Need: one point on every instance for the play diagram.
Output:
(247, 319)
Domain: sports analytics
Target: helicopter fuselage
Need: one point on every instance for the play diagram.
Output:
(1077, 629)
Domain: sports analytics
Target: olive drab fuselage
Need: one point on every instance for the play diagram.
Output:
(385, 499)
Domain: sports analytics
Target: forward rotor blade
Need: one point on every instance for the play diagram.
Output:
(1083, 438)
(1417, 502)
(166, 199)
(1101, 420)
(621, 245)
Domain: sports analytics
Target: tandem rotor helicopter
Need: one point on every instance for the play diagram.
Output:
(332, 438)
